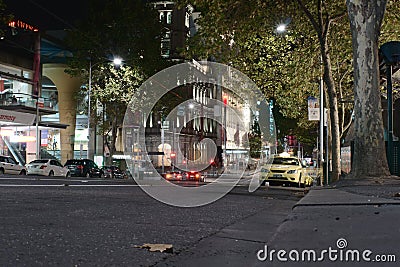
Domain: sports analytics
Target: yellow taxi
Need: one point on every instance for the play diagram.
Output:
(285, 170)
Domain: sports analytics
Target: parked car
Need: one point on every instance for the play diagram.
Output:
(285, 170)
(83, 168)
(47, 167)
(10, 166)
(113, 172)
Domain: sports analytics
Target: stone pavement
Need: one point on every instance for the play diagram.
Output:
(349, 223)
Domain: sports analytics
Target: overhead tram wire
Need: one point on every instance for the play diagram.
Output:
(52, 14)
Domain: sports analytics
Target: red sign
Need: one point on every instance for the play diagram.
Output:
(225, 98)
(22, 25)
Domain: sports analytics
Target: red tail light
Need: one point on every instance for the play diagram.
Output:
(80, 167)
(43, 167)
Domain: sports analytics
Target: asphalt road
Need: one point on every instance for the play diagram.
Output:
(93, 222)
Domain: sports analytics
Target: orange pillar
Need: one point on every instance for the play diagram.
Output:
(67, 87)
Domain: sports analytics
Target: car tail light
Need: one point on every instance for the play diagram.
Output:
(43, 167)
(197, 175)
(168, 176)
(80, 167)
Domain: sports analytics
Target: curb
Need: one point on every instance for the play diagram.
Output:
(336, 197)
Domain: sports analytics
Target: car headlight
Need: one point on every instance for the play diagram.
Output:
(292, 171)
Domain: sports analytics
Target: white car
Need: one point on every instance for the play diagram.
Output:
(10, 166)
(47, 167)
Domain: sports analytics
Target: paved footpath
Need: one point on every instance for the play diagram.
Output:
(237, 244)
(351, 223)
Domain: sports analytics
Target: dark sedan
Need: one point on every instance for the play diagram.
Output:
(83, 168)
(113, 172)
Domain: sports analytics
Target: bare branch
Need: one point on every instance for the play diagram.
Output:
(317, 26)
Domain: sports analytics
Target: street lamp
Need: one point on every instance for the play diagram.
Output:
(117, 61)
(281, 28)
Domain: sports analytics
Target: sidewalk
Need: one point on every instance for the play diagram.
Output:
(347, 219)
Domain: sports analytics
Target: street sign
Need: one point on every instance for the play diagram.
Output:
(313, 109)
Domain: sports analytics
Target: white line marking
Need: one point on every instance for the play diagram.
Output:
(67, 185)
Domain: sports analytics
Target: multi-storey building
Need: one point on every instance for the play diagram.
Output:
(32, 66)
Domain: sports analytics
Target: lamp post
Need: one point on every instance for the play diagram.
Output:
(89, 145)
(92, 135)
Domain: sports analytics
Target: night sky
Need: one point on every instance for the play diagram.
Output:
(48, 14)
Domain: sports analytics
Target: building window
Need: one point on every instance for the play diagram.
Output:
(166, 44)
(187, 20)
(162, 16)
(169, 17)
(165, 48)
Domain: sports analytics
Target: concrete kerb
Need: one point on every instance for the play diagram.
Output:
(335, 197)
(366, 191)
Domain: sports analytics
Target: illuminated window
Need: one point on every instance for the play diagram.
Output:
(169, 17)
(166, 44)
(187, 20)
(162, 16)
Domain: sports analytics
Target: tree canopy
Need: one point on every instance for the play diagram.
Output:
(117, 28)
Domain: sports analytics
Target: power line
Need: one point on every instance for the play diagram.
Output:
(52, 14)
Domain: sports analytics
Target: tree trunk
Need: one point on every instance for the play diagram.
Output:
(333, 113)
(369, 158)
(114, 129)
(321, 25)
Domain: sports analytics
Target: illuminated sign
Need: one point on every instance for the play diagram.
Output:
(9, 116)
(22, 25)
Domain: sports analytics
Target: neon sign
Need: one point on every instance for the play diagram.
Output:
(22, 25)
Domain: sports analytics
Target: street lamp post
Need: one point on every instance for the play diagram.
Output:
(90, 146)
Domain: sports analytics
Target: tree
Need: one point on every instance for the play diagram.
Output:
(369, 148)
(5, 18)
(114, 89)
(255, 140)
(321, 23)
(284, 66)
(128, 29)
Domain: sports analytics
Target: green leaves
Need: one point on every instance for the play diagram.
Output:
(287, 66)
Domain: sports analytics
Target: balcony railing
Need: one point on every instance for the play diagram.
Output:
(27, 100)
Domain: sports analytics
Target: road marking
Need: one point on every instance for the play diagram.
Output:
(68, 185)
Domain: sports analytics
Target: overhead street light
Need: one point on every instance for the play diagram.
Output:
(281, 28)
